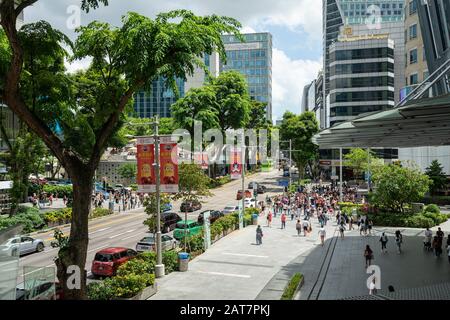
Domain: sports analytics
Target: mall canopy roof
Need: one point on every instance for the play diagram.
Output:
(421, 122)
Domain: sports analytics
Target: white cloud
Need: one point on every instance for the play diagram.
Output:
(77, 65)
(289, 78)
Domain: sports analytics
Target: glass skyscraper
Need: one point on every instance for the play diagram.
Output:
(253, 59)
(157, 100)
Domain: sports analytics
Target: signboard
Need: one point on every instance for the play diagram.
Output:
(145, 156)
(169, 166)
(243, 46)
(206, 225)
(236, 163)
(146, 176)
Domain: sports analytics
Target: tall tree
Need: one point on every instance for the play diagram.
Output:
(300, 129)
(89, 105)
(436, 173)
(128, 171)
(361, 160)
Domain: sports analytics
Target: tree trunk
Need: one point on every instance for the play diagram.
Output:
(75, 253)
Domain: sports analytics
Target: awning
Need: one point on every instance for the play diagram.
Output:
(423, 122)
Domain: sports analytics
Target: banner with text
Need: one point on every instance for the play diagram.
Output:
(169, 166)
(236, 163)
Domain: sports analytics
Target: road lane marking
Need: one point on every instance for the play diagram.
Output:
(128, 237)
(121, 234)
(245, 255)
(98, 248)
(101, 225)
(226, 274)
(100, 230)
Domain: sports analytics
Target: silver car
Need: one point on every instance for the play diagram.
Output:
(148, 243)
(230, 209)
(22, 245)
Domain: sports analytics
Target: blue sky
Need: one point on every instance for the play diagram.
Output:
(296, 26)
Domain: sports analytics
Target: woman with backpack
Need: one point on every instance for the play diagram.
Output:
(368, 254)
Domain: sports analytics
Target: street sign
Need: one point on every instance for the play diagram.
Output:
(206, 224)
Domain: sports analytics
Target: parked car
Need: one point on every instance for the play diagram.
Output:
(148, 243)
(230, 209)
(107, 261)
(166, 207)
(249, 203)
(261, 189)
(22, 245)
(190, 206)
(190, 228)
(169, 220)
(43, 291)
(248, 194)
(250, 185)
(213, 216)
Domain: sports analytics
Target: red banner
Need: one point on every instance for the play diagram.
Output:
(236, 163)
(146, 179)
(169, 167)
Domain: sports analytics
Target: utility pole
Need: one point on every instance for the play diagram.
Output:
(290, 166)
(159, 267)
(340, 174)
(241, 216)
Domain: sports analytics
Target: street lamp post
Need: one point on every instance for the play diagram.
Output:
(340, 174)
(159, 267)
(241, 217)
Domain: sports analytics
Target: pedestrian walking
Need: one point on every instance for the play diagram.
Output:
(368, 255)
(341, 230)
(384, 241)
(283, 221)
(437, 246)
(298, 226)
(369, 227)
(398, 241)
(322, 234)
(269, 219)
(259, 235)
(373, 287)
(305, 227)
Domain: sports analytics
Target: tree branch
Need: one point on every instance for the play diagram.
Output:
(23, 5)
(108, 127)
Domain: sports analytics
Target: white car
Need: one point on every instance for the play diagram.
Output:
(22, 245)
(148, 243)
(230, 209)
(249, 203)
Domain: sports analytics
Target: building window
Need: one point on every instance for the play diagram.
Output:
(413, 79)
(413, 32)
(412, 7)
(413, 56)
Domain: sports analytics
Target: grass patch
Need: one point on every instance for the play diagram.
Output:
(291, 287)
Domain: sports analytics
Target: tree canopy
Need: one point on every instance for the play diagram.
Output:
(436, 173)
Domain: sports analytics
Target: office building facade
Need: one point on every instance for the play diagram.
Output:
(344, 18)
(253, 59)
(158, 99)
(361, 77)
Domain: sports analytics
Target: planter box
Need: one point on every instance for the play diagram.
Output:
(144, 294)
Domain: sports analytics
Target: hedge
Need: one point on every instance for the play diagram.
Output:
(291, 287)
(352, 205)
(420, 220)
(218, 182)
(60, 191)
(30, 218)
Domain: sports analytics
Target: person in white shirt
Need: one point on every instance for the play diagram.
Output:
(322, 234)
(428, 237)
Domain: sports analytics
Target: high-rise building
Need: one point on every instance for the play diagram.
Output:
(253, 59)
(307, 97)
(361, 76)
(158, 99)
(360, 18)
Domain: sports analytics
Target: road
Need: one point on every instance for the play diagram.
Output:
(125, 229)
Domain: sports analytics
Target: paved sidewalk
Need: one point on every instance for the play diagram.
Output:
(236, 268)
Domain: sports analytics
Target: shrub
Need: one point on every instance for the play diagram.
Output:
(60, 191)
(352, 205)
(130, 285)
(170, 261)
(101, 212)
(100, 291)
(30, 218)
(437, 218)
(149, 258)
(60, 215)
(291, 287)
(419, 221)
(195, 243)
(136, 266)
(432, 208)
(216, 229)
